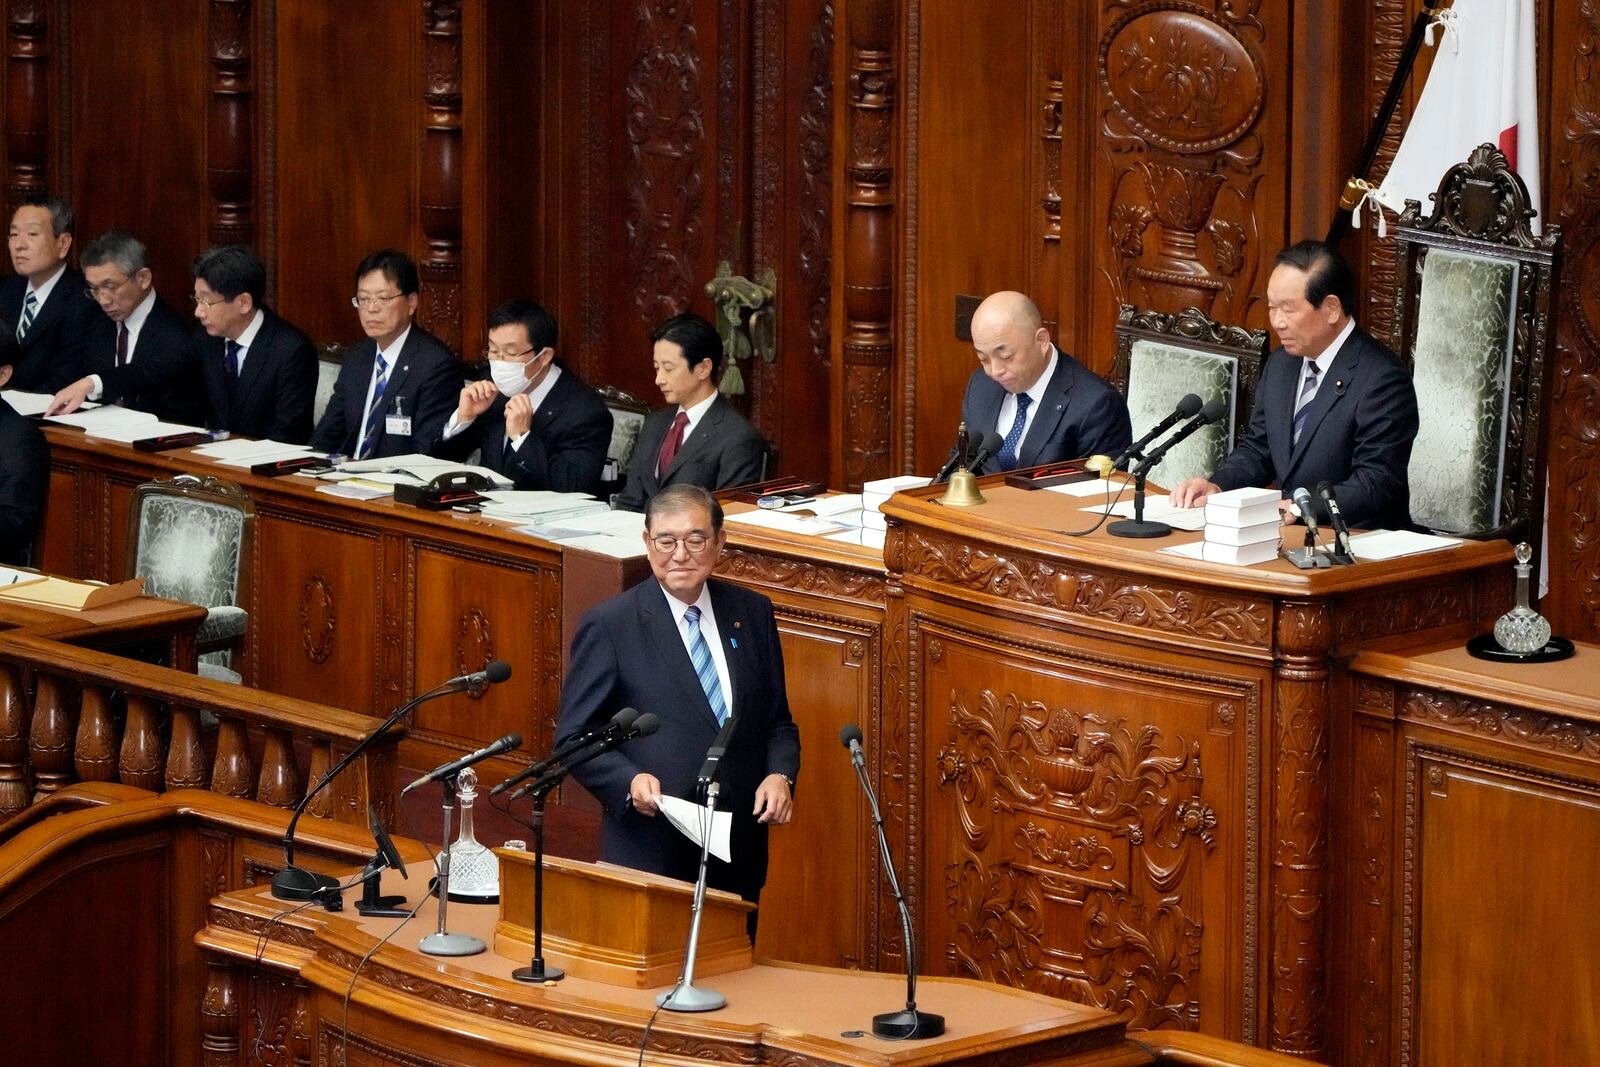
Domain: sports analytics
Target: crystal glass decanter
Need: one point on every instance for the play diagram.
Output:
(1522, 630)
(474, 870)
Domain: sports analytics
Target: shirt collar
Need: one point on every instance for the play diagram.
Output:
(391, 353)
(539, 393)
(680, 609)
(698, 412)
(135, 320)
(1036, 390)
(49, 284)
(249, 335)
(1325, 360)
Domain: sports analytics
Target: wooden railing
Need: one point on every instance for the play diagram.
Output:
(70, 714)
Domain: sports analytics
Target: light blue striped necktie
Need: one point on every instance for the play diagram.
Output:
(1308, 390)
(29, 307)
(374, 420)
(704, 666)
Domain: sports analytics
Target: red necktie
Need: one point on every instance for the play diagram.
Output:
(669, 447)
(122, 344)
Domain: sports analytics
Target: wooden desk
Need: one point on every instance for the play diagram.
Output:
(1471, 853)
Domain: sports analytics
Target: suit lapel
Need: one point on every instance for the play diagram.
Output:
(395, 388)
(255, 360)
(1329, 393)
(986, 406)
(1051, 409)
(705, 431)
(657, 622)
(53, 308)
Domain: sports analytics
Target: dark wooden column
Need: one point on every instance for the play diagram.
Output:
(441, 179)
(230, 124)
(863, 377)
(27, 101)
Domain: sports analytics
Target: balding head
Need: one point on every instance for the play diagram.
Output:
(1010, 340)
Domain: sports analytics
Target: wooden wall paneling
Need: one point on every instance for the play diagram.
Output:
(136, 93)
(230, 122)
(439, 205)
(348, 133)
(868, 82)
(27, 144)
(56, 546)
(1573, 137)
(1049, 81)
(511, 70)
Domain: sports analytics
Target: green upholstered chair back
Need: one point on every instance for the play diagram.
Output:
(1160, 358)
(628, 413)
(1472, 319)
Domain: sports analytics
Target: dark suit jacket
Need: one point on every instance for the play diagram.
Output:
(1358, 434)
(24, 479)
(627, 653)
(162, 375)
(426, 379)
(1080, 415)
(53, 353)
(565, 449)
(724, 450)
(276, 389)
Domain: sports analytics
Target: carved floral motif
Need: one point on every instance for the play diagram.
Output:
(474, 646)
(317, 619)
(1536, 729)
(763, 568)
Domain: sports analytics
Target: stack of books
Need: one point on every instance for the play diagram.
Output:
(1242, 526)
(874, 493)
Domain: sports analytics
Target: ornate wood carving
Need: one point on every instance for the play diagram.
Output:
(55, 719)
(1297, 1001)
(143, 759)
(27, 110)
(1391, 23)
(15, 792)
(317, 619)
(1051, 79)
(232, 774)
(219, 1015)
(1522, 726)
(279, 782)
(230, 123)
(186, 756)
(864, 379)
(474, 645)
(1574, 507)
(1191, 328)
(1363, 619)
(816, 185)
(1372, 871)
(663, 171)
(95, 751)
(763, 568)
(440, 182)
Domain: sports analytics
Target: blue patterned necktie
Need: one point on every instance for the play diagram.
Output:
(704, 666)
(29, 308)
(1308, 389)
(374, 420)
(1008, 451)
(230, 352)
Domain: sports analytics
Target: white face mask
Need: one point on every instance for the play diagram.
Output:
(510, 376)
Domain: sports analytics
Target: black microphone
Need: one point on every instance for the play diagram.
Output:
(910, 1023)
(1187, 408)
(714, 754)
(1341, 529)
(1308, 512)
(620, 721)
(987, 448)
(492, 674)
(958, 455)
(456, 766)
(643, 726)
(1213, 410)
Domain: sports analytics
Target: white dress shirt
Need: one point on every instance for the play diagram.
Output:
(134, 322)
(1008, 406)
(1323, 362)
(388, 355)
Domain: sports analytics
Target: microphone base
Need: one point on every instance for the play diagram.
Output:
(1138, 528)
(297, 883)
(443, 944)
(691, 998)
(538, 971)
(1307, 559)
(908, 1025)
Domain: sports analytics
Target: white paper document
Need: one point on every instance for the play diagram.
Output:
(600, 544)
(777, 520)
(287, 452)
(827, 506)
(1156, 509)
(236, 448)
(418, 466)
(129, 432)
(8, 576)
(690, 817)
(106, 417)
(1391, 544)
(27, 403)
(356, 489)
(1093, 487)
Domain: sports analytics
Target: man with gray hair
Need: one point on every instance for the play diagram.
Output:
(42, 305)
(139, 351)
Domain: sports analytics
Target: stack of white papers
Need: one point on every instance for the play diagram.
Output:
(115, 423)
(1391, 544)
(625, 524)
(777, 520)
(26, 403)
(356, 489)
(602, 544)
(244, 452)
(424, 468)
(540, 507)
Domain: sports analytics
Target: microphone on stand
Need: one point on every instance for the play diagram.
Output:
(1187, 408)
(643, 726)
(986, 450)
(1139, 526)
(1342, 553)
(295, 883)
(620, 721)
(1213, 410)
(910, 1023)
(714, 754)
(456, 766)
(1306, 558)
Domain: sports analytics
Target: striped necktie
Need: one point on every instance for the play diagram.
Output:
(373, 424)
(1308, 389)
(704, 666)
(29, 308)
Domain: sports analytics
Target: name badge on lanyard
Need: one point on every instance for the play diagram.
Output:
(398, 423)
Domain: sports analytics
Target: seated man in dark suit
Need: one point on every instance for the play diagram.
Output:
(698, 439)
(694, 651)
(24, 473)
(396, 388)
(534, 421)
(44, 302)
(1045, 405)
(260, 372)
(1333, 405)
(139, 351)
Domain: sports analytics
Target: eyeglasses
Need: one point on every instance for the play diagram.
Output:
(105, 289)
(374, 301)
(499, 356)
(694, 543)
(199, 301)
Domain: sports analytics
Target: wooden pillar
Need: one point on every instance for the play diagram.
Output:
(27, 108)
(230, 124)
(219, 1015)
(50, 741)
(15, 793)
(95, 753)
(1047, 291)
(863, 376)
(440, 185)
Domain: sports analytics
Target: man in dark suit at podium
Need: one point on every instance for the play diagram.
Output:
(694, 650)
(139, 350)
(44, 303)
(534, 421)
(698, 438)
(1045, 405)
(24, 472)
(260, 371)
(1333, 405)
(396, 388)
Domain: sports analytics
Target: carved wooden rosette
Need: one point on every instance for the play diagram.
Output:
(230, 123)
(27, 107)
(863, 380)
(439, 188)
(1296, 898)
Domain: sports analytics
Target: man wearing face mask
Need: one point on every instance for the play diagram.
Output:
(534, 421)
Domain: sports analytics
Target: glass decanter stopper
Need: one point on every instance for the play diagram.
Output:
(1522, 630)
(474, 870)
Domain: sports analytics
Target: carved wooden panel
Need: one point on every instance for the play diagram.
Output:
(27, 102)
(56, 546)
(1092, 828)
(230, 122)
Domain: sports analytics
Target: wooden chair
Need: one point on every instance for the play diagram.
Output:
(1161, 357)
(1472, 319)
(628, 413)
